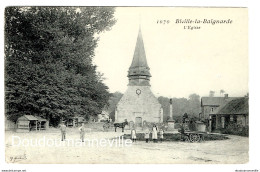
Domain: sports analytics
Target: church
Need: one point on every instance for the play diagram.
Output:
(138, 104)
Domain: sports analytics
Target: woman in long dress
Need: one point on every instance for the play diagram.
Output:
(154, 136)
(133, 135)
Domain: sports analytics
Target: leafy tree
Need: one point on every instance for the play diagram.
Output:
(112, 102)
(180, 107)
(221, 92)
(48, 61)
(165, 102)
(211, 93)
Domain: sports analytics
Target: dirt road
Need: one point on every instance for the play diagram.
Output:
(233, 150)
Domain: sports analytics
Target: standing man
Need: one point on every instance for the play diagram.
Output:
(82, 132)
(63, 130)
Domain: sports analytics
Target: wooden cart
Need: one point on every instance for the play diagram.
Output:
(193, 136)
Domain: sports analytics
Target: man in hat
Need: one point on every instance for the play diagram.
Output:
(63, 130)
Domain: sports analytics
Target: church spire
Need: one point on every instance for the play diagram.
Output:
(139, 72)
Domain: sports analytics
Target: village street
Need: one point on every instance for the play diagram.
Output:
(233, 150)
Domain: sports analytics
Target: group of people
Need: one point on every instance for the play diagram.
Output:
(82, 131)
(147, 134)
(154, 132)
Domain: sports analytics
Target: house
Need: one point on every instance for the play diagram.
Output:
(104, 116)
(233, 112)
(209, 104)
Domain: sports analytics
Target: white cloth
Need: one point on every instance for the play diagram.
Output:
(154, 136)
(133, 134)
(161, 134)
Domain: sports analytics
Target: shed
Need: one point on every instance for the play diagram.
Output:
(42, 123)
(75, 121)
(26, 123)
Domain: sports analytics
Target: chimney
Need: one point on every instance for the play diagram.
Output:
(226, 96)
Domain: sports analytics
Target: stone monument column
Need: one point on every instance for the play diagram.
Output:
(170, 120)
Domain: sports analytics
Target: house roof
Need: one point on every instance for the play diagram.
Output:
(40, 118)
(235, 106)
(28, 117)
(215, 101)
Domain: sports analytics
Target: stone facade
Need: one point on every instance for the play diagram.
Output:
(139, 104)
(139, 108)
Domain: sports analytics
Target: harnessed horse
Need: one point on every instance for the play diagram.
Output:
(120, 125)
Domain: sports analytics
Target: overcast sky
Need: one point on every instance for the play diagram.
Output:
(182, 61)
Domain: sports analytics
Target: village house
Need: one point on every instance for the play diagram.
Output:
(234, 112)
(209, 104)
(220, 112)
(103, 116)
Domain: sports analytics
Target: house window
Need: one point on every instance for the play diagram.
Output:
(212, 109)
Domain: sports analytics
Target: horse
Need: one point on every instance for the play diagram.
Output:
(120, 125)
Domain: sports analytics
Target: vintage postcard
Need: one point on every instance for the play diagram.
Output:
(126, 85)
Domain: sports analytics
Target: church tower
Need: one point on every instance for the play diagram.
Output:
(139, 104)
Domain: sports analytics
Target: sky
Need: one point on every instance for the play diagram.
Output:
(182, 61)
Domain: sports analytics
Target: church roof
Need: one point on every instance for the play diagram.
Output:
(139, 64)
(139, 58)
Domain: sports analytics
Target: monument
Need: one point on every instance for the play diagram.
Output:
(170, 121)
(138, 104)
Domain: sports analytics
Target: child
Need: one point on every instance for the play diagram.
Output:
(146, 135)
(82, 132)
(161, 134)
(133, 135)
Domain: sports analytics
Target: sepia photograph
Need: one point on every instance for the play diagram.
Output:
(126, 85)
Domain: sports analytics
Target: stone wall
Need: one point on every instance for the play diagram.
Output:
(141, 103)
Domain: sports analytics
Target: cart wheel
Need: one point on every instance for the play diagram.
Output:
(194, 137)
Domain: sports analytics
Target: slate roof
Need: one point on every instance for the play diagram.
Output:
(236, 106)
(139, 64)
(28, 117)
(215, 101)
(40, 118)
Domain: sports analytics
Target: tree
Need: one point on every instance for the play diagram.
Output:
(164, 101)
(48, 61)
(112, 103)
(194, 105)
(211, 93)
(221, 92)
(180, 106)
